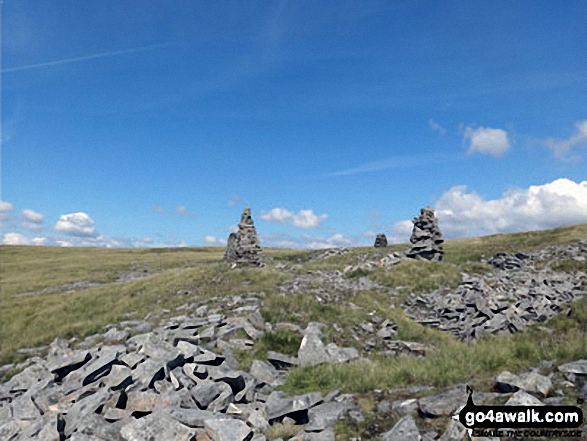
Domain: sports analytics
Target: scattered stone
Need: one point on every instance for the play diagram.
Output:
(522, 398)
(404, 430)
(578, 367)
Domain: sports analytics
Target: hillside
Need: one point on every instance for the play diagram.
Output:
(376, 329)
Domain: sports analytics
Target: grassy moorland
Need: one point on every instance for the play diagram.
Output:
(33, 314)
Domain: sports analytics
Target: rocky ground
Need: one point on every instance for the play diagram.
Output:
(176, 377)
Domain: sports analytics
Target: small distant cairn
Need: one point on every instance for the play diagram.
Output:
(380, 241)
(426, 237)
(243, 246)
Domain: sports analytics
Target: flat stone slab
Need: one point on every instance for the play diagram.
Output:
(227, 429)
(158, 425)
(578, 367)
(404, 430)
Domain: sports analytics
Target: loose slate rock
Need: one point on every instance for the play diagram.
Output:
(404, 430)
(227, 429)
(522, 398)
(325, 415)
(312, 351)
(578, 367)
(158, 425)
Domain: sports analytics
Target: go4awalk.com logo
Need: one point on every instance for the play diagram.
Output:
(526, 421)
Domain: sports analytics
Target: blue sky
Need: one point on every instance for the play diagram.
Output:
(144, 123)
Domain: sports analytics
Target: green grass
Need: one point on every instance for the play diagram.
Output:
(281, 340)
(28, 321)
(450, 363)
(36, 320)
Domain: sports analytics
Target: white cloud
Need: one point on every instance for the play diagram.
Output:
(147, 240)
(19, 239)
(304, 218)
(486, 140)
(5, 210)
(32, 220)
(369, 234)
(182, 211)
(306, 241)
(400, 232)
(214, 241)
(234, 200)
(76, 224)
(437, 127)
(15, 239)
(464, 213)
(561, 148)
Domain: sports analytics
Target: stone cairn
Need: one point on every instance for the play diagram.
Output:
(426, 237)
(380, 241)
(243, 246)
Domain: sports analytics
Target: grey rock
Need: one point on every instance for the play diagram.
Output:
(221, 402)
(522, 398)
(157, 425)
(193, 418)
(454, 431)
(84, 407)
(265, 373)
(205, 392)
(404, 407)
(131, 360)
(26, 379)
(578, 367)
(279, 406)
(312, 351)
(442, 404)
(533, 382)
(404, 430)
(114, 335)
(341, 355)
(281, 361)
(257, 420)
(324, 415)
(228, 429)
(65, 363)
(326, 435)
(119, 377)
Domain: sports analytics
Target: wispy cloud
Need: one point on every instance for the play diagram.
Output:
(234, 200)
(87, 57)
(561, 148)
(396, 162)
(182, 211)
(437, 127)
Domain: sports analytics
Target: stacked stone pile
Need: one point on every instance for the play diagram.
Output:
(426, 237)
(170, 384)
(380, 241)
(503, 302)
(243, 246)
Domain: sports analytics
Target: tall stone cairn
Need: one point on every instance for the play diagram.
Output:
(380, 241)
(426, 237)
(243, 246)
